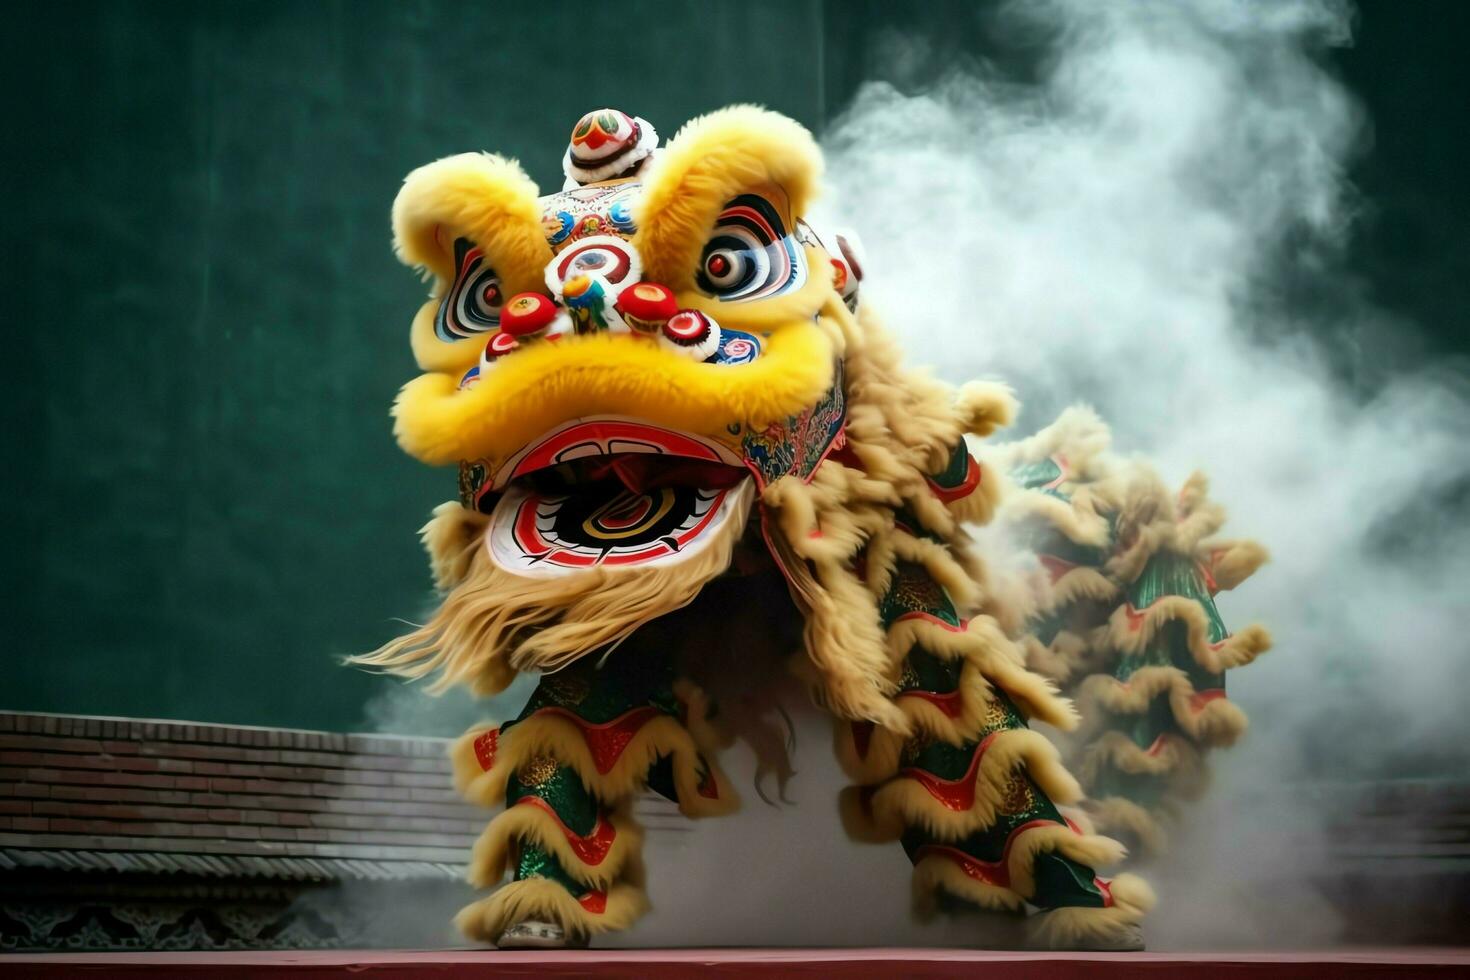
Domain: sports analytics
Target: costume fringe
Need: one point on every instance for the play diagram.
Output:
(1171, 757)
(873, 814)
(451, 538)
(1058, 661)
(495, 622)
(1122, 511)
(935, 874)
(494, 853)
(1131, 631)
(1090, 927)
(547, 733)
(1216, 723)
(1014, 877)
(981, 645)
(1081, 928)
(1126, 819)
(544, 900)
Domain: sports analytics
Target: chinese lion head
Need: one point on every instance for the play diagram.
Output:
(638, 376)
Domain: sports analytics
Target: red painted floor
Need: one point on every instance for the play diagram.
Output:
(801, 963)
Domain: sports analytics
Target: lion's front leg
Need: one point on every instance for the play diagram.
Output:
(971, 793)
(567, 769)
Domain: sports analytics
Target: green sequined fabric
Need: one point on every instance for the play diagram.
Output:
(598, 693)
(1060, 881)
(533, 862)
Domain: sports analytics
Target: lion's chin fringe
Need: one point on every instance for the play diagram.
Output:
(495, 623)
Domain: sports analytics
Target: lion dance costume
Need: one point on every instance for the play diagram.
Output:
(666, 401)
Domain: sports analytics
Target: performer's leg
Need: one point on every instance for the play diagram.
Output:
(568, 768)
(972, 793)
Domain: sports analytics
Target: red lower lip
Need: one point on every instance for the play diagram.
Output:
(626, 441)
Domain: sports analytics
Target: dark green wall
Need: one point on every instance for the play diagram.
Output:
(207, 325)
(203, 505)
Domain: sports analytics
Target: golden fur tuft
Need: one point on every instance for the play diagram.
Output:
(495, 622)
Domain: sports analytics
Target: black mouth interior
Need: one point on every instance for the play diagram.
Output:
(623, 509)
(633, 472)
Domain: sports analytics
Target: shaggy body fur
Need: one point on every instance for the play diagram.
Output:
(1118, 660)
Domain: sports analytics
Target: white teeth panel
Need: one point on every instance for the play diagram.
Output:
(582, 451)
(550, 551)
(615, 446)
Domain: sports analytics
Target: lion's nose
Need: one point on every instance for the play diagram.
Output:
(589, 275)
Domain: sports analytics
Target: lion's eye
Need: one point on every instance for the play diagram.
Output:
(472, 304)
(750, 255)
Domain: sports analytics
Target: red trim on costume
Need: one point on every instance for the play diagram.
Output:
(950, 703)
(961, 490)
(954, 794)
(590, 849)
(1211, 585)
(990, 872)
(931, 618)
(1105, 885)
(594, 901)
(1159, 743)
(606, 741)
(1199, 699)
(1061, 460)
(485, 746)
(839, 441)
(708, 787)
(1055, 567)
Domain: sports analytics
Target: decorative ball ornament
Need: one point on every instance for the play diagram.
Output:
(614, 260)
(647, 306)
(499, 345)
(851, 250)
(527, 315)
(839, 280)
(606, 143)
(692, 334)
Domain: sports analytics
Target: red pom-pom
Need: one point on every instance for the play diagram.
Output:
(648, 301)
(839, 275)
(687, 328)
(499, 345)
(526, 313)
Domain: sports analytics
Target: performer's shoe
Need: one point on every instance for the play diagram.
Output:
(1124, 939)
(532, 934)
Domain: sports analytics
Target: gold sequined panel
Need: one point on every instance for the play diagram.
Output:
(913, 747)
(909, 679)
(537, 771)
(1018, 798)
(997, 718)
(915, 590)
(565, 688)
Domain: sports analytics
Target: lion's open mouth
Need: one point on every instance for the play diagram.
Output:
(614, 493)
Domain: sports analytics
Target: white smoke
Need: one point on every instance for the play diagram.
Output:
(1128, 231)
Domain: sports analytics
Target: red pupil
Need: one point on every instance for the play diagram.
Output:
(490, 295)
(719, 265)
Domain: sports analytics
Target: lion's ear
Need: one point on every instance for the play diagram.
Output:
(472, 221)
(477, 196)
(712, 161)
